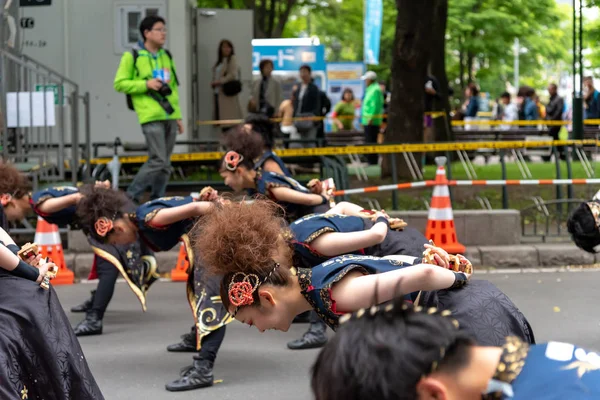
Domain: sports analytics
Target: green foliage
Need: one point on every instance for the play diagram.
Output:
(481, 34)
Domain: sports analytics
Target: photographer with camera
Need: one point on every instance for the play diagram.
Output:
(147, 77)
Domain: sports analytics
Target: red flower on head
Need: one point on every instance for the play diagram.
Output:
(233, 160)
(102, 226)
(240, 294)
(240, 291)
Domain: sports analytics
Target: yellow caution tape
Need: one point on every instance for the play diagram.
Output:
(374, 149)
(522, 123)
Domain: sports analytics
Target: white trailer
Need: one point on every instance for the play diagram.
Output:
(85, 39)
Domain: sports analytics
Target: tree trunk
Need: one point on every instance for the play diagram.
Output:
(409, 72)
(437, 66)
(470, 59)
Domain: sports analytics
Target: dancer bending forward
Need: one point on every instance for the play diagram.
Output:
(264, 285)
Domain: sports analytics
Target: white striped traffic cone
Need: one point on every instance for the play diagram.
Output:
(440, 225)
(48, 241)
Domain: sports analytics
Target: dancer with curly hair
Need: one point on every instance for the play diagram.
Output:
(161, 224)
(238, 172)
(400, 351)
(259, 257)
(57, 205)
(243, 139)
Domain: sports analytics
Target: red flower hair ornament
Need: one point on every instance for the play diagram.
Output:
(102, 226)
(243, 286)
(233, 160)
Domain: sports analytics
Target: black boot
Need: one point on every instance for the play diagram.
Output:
(187, 344)
(200, 376)
(314, 338)
(86, 305)
(91, 325)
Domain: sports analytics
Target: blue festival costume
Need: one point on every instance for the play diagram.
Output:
(135, 262)
(40, 357)
(480, 308)
(269, 155)
(202, 291)
(265, 181)
(546, 371)
(408, 242)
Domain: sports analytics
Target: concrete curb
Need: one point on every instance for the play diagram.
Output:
(511, 258)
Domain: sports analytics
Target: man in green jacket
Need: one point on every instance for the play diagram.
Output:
(151, 82)
(372, 112)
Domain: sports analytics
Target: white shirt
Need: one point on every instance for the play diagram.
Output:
(302, 92)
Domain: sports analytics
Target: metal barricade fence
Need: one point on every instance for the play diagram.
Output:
(41, 116)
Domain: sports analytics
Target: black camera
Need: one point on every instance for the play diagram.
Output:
(165, 90)
(160, 96)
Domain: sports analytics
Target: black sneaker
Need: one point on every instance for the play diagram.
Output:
(314, 338)
(86, 305)
(91, 325)
(200, 376)
(187, 344)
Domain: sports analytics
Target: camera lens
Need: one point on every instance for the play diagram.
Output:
(165, 90)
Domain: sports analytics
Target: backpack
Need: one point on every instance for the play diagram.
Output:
(135, 54)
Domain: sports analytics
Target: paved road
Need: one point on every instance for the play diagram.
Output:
(129, 360)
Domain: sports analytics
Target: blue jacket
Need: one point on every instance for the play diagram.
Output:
(531, 110)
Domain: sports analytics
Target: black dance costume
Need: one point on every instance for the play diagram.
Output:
(480, 308)
(135, 263)
(210, 316)
(40, 357)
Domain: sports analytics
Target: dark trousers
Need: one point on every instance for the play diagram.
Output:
(107, 276)
(371, 132)
(554, 132)
(211, 344)
(160, 139)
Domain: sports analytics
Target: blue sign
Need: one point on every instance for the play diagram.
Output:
(290, 58)
(372, 30)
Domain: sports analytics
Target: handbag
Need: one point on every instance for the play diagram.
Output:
(304, 125)
(232, 88)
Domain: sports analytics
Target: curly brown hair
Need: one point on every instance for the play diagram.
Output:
(13, 181)
(248, 143)
(100, 202)
(242, 237)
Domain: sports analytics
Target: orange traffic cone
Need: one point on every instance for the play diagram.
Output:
(48, 241)
(179, 273)
(440, 225)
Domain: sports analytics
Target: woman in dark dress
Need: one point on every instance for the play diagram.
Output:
(161, 224)
(40, 357)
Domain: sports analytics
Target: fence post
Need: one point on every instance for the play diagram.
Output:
(558, 176)
(504, 188)
(74, 135)
(88, 135)
(568, 150)
(4, 120)
(394, 181)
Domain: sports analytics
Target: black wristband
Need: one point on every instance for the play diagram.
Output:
(24, 270)
(460, 280)
(384, 220)
(325, 200)
(14, 248)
